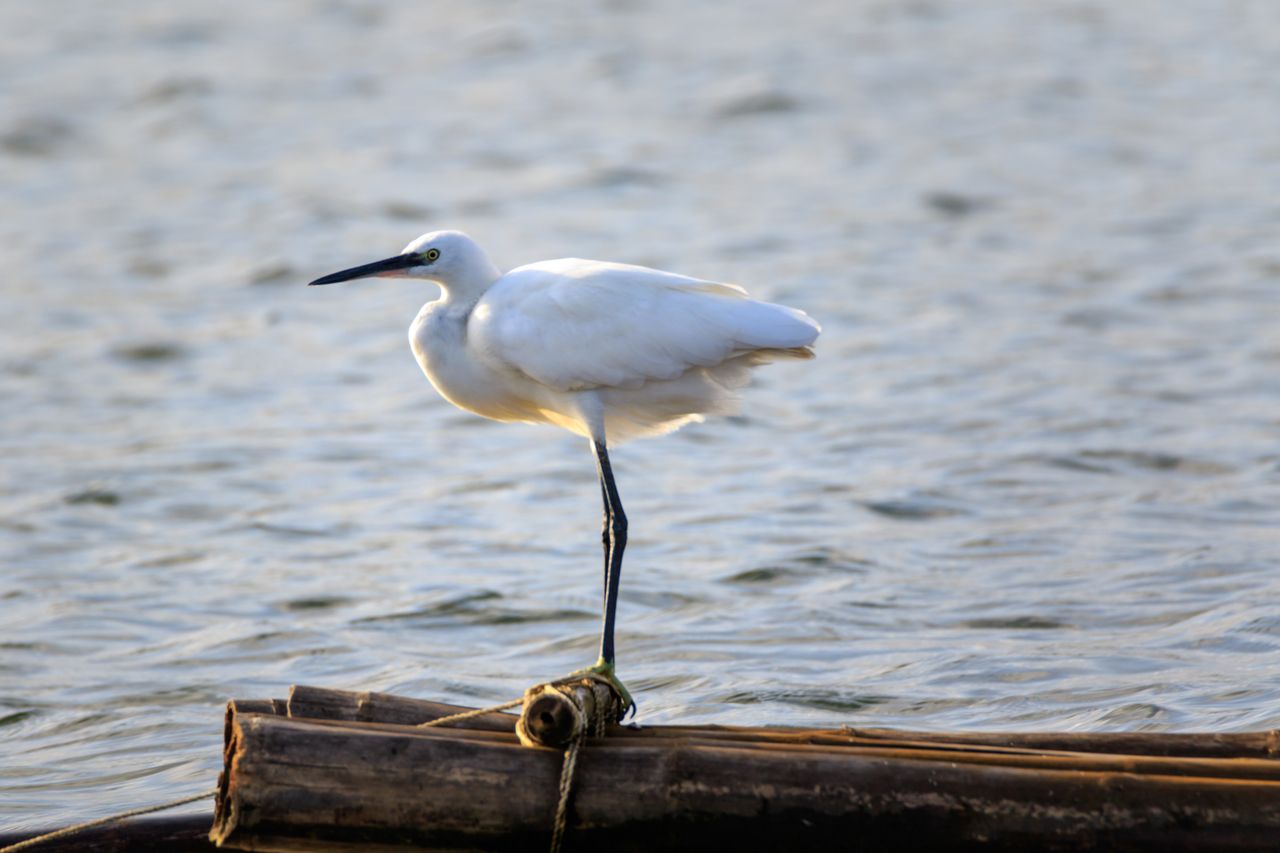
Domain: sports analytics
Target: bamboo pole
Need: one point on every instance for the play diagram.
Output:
(799, 742)
(343, 783)
(322, 703)
(326, 703)
(1259, 744)
(556, 714)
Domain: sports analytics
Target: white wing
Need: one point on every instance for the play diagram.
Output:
(573, 324)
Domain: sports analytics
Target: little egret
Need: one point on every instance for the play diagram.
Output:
(608, 351)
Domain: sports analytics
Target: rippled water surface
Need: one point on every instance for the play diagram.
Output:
(1032, 480)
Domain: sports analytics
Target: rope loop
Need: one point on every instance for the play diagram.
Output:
(557, 714)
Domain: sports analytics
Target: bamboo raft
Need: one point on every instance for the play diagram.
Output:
(333, 770)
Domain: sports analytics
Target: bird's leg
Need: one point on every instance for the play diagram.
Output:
(615, 542)
(616, 524)
(606, 537)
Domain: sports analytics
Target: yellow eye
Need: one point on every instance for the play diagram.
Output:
(431, 254)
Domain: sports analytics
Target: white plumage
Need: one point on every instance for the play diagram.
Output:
(609, 351)
(654, 349)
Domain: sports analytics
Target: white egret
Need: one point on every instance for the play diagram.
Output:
(608, 351)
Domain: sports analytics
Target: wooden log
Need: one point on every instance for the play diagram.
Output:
(293, 784)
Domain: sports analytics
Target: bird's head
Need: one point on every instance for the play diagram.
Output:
(449, 258)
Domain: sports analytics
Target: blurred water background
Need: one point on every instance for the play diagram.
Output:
(1032, 480)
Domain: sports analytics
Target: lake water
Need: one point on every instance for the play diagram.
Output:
(1032, 480)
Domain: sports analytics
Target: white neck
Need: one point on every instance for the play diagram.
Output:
(465, 280)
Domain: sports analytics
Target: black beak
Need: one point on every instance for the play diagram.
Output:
(390, 265)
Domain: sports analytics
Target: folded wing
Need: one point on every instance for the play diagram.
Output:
(572, 324)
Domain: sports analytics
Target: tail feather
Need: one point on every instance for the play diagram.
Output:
(756, 325)
(765, 356)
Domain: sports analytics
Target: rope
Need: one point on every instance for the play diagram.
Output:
(569, 686)
(465, 715)
(566, 787)
(576, 693)
(89, 824)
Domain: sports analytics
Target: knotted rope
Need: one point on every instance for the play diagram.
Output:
(557, 714)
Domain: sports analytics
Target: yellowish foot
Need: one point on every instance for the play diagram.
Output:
(605, 669)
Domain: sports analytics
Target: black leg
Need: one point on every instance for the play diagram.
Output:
(607, 538)
(615, 542)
